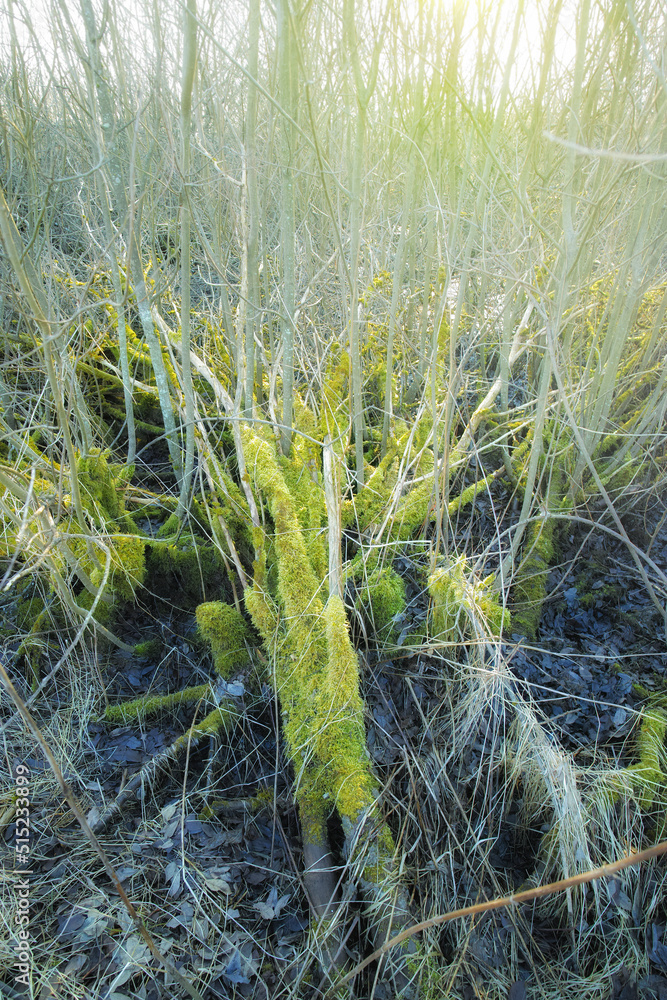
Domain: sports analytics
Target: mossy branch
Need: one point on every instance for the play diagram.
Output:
(224, 716)
(317, 676)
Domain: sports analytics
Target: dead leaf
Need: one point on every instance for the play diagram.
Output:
(216, 884)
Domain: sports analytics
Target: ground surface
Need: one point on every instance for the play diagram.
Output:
(222, 896)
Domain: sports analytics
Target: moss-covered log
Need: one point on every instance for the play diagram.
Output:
(317, 677)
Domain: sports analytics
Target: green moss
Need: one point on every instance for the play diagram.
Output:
(433, 985)
(370, 506)
(414, 511)
(29, 612)
(367, 506)
(220, 718)
(530, 585)
(645, 781)
(264, 612)
(149, 705)
(226, 632)
(648, 775)
(316, 674)
(608, 593)
(340, 736)
(618, 479)
(189, 567)
(381, 594)
(298, 584)
(386, 593)
(300, 473)
(262, 800)
(33, 617)
(459, 599)
(128, 566)
(142, 426)
(119, 544)
(415, 640)
(170, 527)
(151, 649)
(335, 399)
(102, 486)
(379, 868)
(316, 668)
(448, 594)
(468, 495)
(232, 506)
(104, 611)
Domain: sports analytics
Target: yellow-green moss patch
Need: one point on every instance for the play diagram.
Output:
(226, 632)
(381, 594)
(189, 565)
(149, 705)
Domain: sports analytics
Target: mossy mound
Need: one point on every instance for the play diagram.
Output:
(380, 595)
(102, 485)
(226, 632)
(316, 668)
